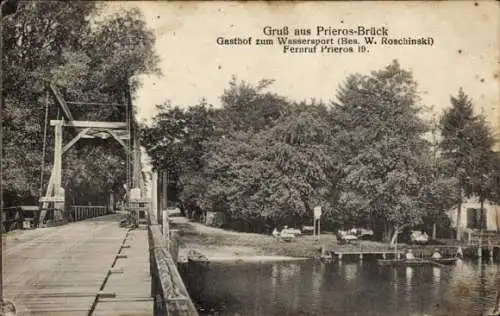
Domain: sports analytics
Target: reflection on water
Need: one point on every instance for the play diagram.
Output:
(350, 271)
(436, 274)
(313, 288)
(409, 276)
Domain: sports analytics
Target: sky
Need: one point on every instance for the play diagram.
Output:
(465, 52)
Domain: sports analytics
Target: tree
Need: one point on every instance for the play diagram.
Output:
(249, 108)
(33, 39)
(62, 43)
(485, 164)
(175, 143)
(278, 174)
(439, 195)
(260, 158)
(467, 145)
(380, 136)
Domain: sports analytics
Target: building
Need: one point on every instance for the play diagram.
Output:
(471, 216)
(471, 208)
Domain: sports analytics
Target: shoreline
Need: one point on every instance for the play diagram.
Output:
(220, 245)
(247, 259)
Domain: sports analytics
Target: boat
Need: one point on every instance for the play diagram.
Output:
(416, 262)
(493, 312)
(197, 258)
(406, 262)
(445, 261)
(327, 259)
(324, 256)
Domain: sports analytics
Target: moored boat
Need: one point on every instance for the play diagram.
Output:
(495, 311)
(393, 262)
(197, 258)
(445, 261)
(416, 262)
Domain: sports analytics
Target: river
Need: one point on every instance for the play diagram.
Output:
(357, 288)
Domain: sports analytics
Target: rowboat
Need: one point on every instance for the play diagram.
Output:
(493, 312)
(406, 262)
(416, 262)
(445, 261)
(197, 258)
(326, 258)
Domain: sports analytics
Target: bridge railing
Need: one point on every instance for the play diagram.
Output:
(12, 218)
(19, 217)
(81, 212)
(167, 287)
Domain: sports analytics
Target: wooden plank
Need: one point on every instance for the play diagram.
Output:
(132, 287)
(57, 158)
(166, 228)
(62, 104)
(110, 132)
(50, 199)
(91, 124)
(50, 189)
(154, 195)
(75, 139)
(171, 283)
(120, 133)
(66, 281)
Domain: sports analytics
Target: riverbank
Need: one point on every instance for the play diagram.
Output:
(225, 245)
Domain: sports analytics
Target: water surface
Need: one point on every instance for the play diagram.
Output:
(314, 288)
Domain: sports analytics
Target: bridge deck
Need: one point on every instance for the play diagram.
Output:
(132, 282)
(59, 270)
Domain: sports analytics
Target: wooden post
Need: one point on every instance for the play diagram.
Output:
(159, 200)
(174, 244)
(57, 155)
(48, 192)
(154, 195)
(434, 231)
(164, 190)
(58, 192)
(166, 228)
(314, 227)
(319, 228)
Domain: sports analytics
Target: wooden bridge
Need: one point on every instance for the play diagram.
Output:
(94, 267)
(84, 261)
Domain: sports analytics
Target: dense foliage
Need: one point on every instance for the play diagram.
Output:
(90, 57)
(368, 158)
(386, 163)
(467, 145)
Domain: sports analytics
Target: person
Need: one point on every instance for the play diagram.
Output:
(436, 254)
(275, 233)
(460, 253)
(410, 255)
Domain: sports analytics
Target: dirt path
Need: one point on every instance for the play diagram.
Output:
(225, 245)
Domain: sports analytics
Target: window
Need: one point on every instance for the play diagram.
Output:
(474, 218)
